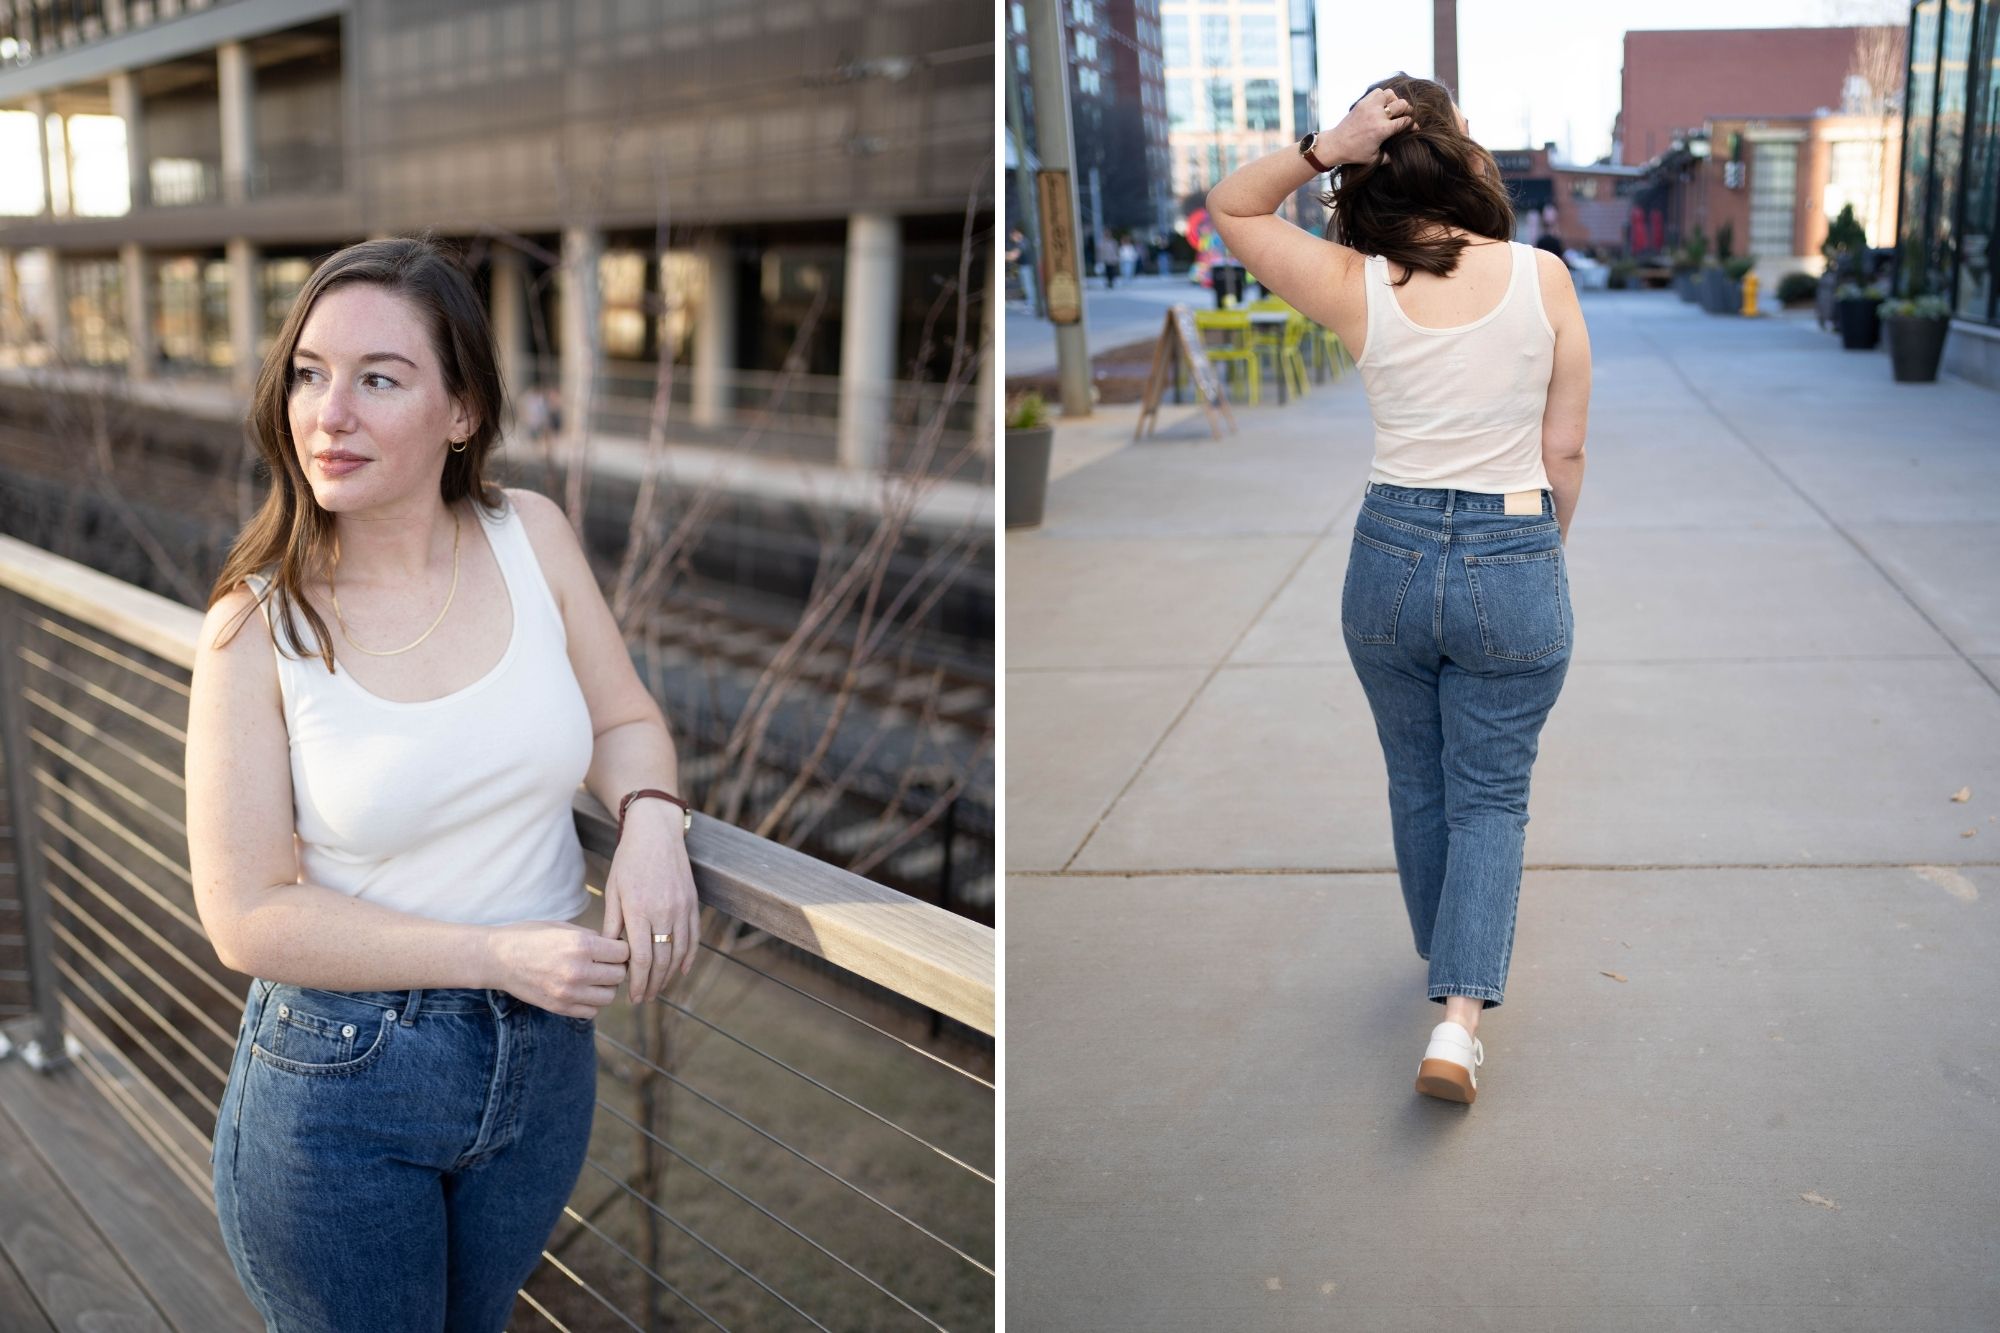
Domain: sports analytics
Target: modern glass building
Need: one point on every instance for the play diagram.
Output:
(1950, 206)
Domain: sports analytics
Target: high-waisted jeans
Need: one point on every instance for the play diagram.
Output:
(395, 1160)
(1457, 618)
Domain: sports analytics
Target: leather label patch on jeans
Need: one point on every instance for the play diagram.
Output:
(1524, 502)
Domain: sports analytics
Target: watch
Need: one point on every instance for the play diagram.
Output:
(1306, 152)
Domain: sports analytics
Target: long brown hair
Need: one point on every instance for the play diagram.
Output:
(1431, 174)
(291, 532)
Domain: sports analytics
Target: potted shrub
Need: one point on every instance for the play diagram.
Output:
(1734, 271)
(1856, 314)
(1916, 328)
(1687, 266)
(1797, 288)
(1030, 438)
(1715, 283)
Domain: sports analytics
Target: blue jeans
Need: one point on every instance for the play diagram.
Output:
(1457, 618)
(395, 1160)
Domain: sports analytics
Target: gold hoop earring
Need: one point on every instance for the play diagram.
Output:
(458, 446)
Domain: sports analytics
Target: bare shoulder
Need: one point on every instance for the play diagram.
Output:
(233, 663)
(235, 617)
(1558, 289)
(554, 542)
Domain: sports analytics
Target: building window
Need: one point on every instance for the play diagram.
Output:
(1854, 176)
(1583, 187)
(1260, 104)
(1774, 184)
(1215, 172)
(1088, 81)
(1180, 105)
(1222, 104)
(1175, 29)
(1020, 16)
(1259, 34)
(1215, 50)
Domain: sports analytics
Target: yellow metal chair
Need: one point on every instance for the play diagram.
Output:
(1285, 344)
(1243, 353)
(1334, 350)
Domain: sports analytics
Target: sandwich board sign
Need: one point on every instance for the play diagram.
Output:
(1181, 340)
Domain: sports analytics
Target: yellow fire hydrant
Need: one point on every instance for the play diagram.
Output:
(1749, 293)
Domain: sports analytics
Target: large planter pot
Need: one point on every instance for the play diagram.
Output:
(1720, 295)
(1684, 286)
(1027, 468)
(1860, 324)
(1916, 345)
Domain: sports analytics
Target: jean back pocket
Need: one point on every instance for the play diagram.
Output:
(1378, 578)
(1519, 600)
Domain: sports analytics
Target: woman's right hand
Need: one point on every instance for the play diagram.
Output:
(558, 966)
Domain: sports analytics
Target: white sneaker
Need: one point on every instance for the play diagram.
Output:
(1449, 1062)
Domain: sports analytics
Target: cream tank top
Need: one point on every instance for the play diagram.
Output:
(455, 808)
(1459, 407)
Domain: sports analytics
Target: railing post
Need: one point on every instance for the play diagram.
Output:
(47, 1049)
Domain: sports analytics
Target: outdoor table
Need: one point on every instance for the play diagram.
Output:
(1267, 319)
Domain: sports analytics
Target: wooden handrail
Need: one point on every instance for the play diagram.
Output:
(932, 956)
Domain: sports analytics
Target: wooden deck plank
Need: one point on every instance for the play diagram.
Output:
(19, 1311)
(163, 1235)
(76, 1281)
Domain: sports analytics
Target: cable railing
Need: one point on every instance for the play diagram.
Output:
(798, 1134)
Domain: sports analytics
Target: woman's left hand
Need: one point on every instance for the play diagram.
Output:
(650, 891)
(1360, 136)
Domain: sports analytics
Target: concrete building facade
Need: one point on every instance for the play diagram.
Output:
(771, 197)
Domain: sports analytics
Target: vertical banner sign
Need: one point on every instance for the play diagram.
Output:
(1059, 263)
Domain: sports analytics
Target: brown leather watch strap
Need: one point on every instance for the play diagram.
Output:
(687, 813)
(1306, 145)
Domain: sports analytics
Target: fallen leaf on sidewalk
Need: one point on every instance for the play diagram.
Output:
(1811, 1196)
(1615, 976)
(1963, 795)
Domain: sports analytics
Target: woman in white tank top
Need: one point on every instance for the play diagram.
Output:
(380, 769)
(1455, 606)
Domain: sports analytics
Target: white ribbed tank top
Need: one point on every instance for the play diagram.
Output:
(455, 808)
(1459, 407)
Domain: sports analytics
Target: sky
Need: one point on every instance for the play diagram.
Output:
(1543, 70)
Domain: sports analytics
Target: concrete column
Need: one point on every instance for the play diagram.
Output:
(869, 297)
(715, 336)
(244, 301)
(989, 353)
(237, 81)
(580, 346)
(511, 335)
(39, 108)
(57, 333)
(13, 326)
(138, 311)
(128, 106)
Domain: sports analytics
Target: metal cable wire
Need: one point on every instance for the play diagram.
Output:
(105, 652)
(644, 1267)
(220, 991)
(138, 844)
(115, 1090)
(171, 732)
(827, 1171)
(143, 966)
(536, 1306)
(108, 739)
(768, 1213)
(876, 1115)
(963, 1073)
(117, 868)
(132, 798)
(111, 1011)
(594, 1293)
(699, 1240)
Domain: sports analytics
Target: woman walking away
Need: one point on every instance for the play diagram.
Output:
(433, 672)
(1455, 608)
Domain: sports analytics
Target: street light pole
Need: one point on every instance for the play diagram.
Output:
(1048, 65)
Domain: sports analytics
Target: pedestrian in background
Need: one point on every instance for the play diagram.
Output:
(1455, 609)
(1128, 258)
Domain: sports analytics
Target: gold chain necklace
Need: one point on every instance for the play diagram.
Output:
(456, 531)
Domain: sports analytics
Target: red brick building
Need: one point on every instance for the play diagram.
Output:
(1592, 203)
(1767, 130)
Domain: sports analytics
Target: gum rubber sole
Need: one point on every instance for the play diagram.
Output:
(1447, 1080)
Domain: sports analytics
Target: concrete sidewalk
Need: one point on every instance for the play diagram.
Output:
(1747, 1074)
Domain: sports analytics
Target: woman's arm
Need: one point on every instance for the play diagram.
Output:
(1302, 268)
